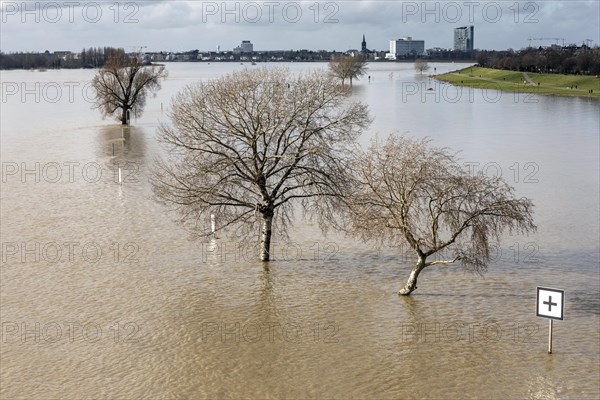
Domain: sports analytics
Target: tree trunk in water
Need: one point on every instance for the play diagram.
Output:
(411, 283)
(124, 116)
(265, 238)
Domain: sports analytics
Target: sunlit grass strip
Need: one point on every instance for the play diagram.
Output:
(511, 81)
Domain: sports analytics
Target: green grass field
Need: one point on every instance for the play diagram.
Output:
(486, 78)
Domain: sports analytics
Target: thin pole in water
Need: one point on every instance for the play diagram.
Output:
(550, 337)
(120, 177)
(113, 146)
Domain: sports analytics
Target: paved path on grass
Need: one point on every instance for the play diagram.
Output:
(528, 79)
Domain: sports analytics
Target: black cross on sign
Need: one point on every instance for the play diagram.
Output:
(550, 303)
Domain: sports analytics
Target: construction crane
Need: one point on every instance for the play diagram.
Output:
(557, 40)
(137, 50)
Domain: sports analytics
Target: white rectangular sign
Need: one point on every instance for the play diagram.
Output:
(550, 303)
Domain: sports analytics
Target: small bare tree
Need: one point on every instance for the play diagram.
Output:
(408, 192)
(123, 84)
(421, 65)
(348, 67)
(247, 146)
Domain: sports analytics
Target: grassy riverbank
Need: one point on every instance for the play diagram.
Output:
(485, 78)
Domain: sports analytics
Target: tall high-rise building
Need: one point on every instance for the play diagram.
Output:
(464, 38)
(245, 47)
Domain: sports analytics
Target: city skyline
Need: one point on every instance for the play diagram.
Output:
(182, 26)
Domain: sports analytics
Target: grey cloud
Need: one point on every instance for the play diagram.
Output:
(184, 25)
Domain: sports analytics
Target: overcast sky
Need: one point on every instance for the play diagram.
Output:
(276, 25)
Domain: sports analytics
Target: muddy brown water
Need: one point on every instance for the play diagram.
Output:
(104, 295)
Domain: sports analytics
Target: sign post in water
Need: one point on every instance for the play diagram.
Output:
(550, 304)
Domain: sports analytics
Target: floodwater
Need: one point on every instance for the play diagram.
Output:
(104, 295)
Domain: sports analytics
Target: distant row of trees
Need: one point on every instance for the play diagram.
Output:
(560, 60)
(566, 60)
(93, 57)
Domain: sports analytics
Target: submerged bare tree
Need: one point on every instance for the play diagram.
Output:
(247, 146)
(347, 67)
(409, 192)
(421, 65)
(123, 84)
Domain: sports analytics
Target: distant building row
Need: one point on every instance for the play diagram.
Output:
(403, 48)
(407, 47)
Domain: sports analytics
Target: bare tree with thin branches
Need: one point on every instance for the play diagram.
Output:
(250, 145)
(406, 191)
(348, 67)
(421, 66)
(123, 84)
